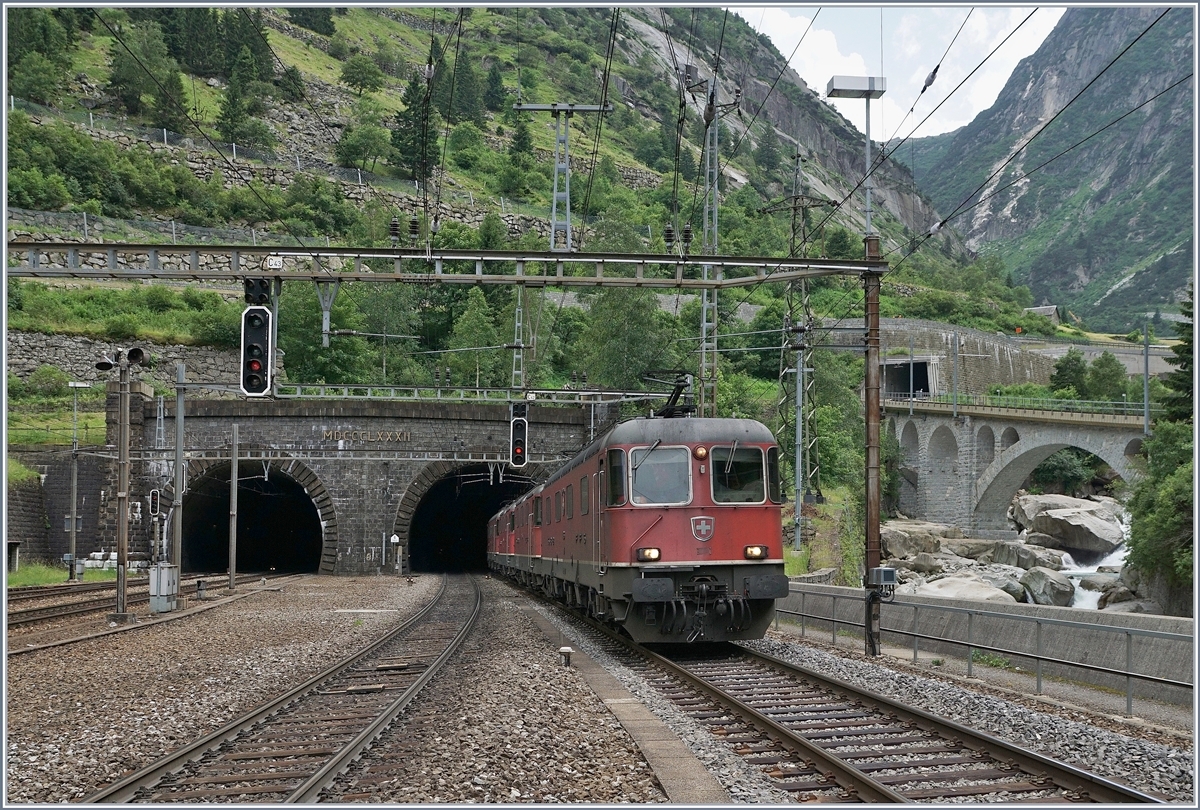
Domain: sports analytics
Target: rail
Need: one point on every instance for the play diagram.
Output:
(972, 644)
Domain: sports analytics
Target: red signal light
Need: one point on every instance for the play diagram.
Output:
(254, 365)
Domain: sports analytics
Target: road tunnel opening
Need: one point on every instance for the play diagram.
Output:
(278, 524)
(449, 527)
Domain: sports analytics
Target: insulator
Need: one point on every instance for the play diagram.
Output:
(414, 227)
(669, 235)
(687, 234)
(394, 228)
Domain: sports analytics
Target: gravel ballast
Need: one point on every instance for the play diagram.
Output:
(511, 724)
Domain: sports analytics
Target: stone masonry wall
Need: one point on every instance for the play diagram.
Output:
(77, 356)
(54, 466)
(25, 520)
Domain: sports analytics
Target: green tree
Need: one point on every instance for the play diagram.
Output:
(1181, 395)
(766, 156)
(1071, 371)
(194, 38)
(35, 78)
(522, 140)
(473, 329)
(1064, 472)
(360, 73)
(140, 63)
(247, 28)
(1161, 539)
(314, 19)
(291, 84)
(414, 131)
(37, 30)
(494, 95)
(492, 232)
(841, 244)
(363, 144)
(346, 360)
(169, 107)
(624, 338)
(1106, 378)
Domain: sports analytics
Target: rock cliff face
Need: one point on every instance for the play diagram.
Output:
(1089, 213)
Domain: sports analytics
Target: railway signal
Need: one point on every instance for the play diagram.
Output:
(258, 291)
(256, 351)
(518, 434)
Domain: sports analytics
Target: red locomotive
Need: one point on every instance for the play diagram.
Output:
(668, 528)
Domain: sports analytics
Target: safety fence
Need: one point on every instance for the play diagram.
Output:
(1138, 660)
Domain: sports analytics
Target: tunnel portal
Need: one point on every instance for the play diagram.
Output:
(449, 528)
(278, 524)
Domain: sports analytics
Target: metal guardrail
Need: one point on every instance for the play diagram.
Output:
(1029, 403)
(498, 396)
(972, 645)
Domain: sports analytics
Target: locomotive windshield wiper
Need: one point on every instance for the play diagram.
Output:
(729, 464)
(657, 442)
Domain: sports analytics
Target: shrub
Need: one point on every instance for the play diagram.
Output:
(201, 299)
(160, 299)
(16, 386)
(48, 381)
(219, 326)
(121, 327)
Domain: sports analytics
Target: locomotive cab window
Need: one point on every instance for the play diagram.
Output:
(773, 490)
(616, 477)
(661, 475)
(737, 475)
(537, 511)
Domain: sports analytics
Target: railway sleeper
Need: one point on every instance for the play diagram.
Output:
(943, 776)
(975, 790)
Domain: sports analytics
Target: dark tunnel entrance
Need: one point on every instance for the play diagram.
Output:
(278, 524)
(449, 527)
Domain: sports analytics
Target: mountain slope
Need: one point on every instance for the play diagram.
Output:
(1104, 228)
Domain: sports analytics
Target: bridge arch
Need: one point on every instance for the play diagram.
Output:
(295, 526)
(999, 481)
(964, 468)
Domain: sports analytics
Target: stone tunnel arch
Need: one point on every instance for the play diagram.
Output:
(286, 517)
(442, 517)
(985, 448)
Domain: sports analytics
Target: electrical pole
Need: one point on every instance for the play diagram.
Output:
(75, 386)
(233, 487)
(562, 112)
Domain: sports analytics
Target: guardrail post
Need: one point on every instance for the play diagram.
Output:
(970, 649)
(1128, 674)
(1039, 658)
(916, 639)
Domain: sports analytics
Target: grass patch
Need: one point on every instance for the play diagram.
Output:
(18, 473)
(988, 659)
(53, 428)
(37, 573)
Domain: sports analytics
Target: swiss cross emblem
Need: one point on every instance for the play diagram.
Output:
(703, 527)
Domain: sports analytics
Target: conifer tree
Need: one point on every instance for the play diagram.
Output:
(1181, 396)
(414, 132)
(493, 94)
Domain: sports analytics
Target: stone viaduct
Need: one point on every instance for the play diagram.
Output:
(324, 484)
(964, 469)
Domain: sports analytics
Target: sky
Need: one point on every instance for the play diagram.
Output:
(903, 44)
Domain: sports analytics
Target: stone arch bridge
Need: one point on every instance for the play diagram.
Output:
(964, 469)
(324, 484)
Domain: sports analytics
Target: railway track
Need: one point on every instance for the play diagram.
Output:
(138, 593)
(289, 749)
(821, 739)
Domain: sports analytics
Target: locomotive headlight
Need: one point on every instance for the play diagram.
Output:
(700, 453)
(756, 552)
(648, 554)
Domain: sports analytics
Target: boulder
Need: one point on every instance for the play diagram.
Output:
(926, 563)
(967, 586)
(971, 549)
(903, 544)
(1087, 532)
(1027, 507)
(1047, 587)
(1005, 582)
(1024, 556)
(1116, 594)
(1098, 582)
(1135, 606)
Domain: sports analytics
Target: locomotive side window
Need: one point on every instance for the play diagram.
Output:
(537, 511)
(569, 501)
(616, 477)
(512, 520)
(737, 475)
(773, 491)
(662, 474)
(557, 506)
(583, 495)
